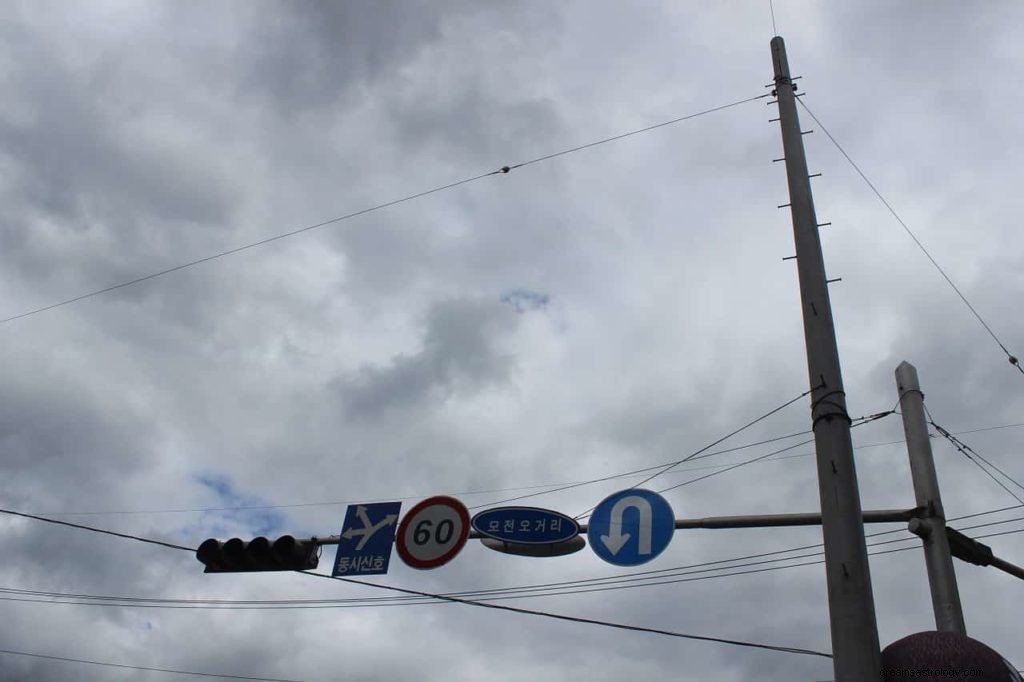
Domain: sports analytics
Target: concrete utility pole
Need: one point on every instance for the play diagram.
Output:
(931, 527)
(857, 656)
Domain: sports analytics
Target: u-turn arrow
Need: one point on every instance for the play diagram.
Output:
(616, 539)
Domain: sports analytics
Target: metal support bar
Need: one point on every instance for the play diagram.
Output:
(747, 521)
(774, 520)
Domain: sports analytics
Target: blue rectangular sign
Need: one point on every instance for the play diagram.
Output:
(367, 536)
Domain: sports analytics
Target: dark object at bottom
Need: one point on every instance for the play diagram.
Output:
(933, 656)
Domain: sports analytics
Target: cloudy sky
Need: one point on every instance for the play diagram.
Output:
(597, 313)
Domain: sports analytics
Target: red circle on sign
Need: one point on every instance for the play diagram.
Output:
(433, 532)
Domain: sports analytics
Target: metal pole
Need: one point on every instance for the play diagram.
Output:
(949, 616)
(778, 520)
(753, 521)
(850, 600)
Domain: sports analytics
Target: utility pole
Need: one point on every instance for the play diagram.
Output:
(857, 656)
(931, 526)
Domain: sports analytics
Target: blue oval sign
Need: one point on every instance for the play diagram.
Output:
(525, 525)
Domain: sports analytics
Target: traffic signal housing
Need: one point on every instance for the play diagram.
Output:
(259, 554)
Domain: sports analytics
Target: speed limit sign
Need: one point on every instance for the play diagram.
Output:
(433, 532)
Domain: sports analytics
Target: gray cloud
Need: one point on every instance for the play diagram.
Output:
(459, 353)
(647, 312)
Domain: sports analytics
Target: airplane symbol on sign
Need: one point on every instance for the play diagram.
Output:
(368, 528)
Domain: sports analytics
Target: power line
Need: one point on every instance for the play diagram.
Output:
(140, 667)
(985, 513)
(966, 452)
(723, 438)
(613, 138)
(1012, 358)
(659, 573)
(658, 577)
(97, 530)
(329, 503)
(636, 472)
(650, 574)
(663, 468)
(987, 428)
(946, 434)
(371, 209)
(753, 460)
(469, 602)
(605, 586)
(694, 455)
(578, 586)
(555, 488)
(583, 586)
(759, 458)
(735, 466)
(577, 619)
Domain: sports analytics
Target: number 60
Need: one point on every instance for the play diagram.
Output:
(442, 533)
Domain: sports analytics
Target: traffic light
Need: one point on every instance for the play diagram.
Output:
(237, 556)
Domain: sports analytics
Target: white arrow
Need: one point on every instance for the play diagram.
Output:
(617, 539)
(368, 528)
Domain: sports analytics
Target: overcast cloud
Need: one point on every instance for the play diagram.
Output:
(600, 312)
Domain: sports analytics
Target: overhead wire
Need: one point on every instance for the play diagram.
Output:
(967, 452)
(956, 441)
(584, 585)
(736, 466)
(392, 498)
(555, 487)
(637, 472)
(507, 592)
(108, 664)
(1010, 356)
(79, 526)
(478, 604)
(753, 460)
(727, 436)
(387, 204)
(866, 420)
(668, 467)
(577, 619)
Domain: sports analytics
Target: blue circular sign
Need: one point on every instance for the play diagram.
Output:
(631, 527)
